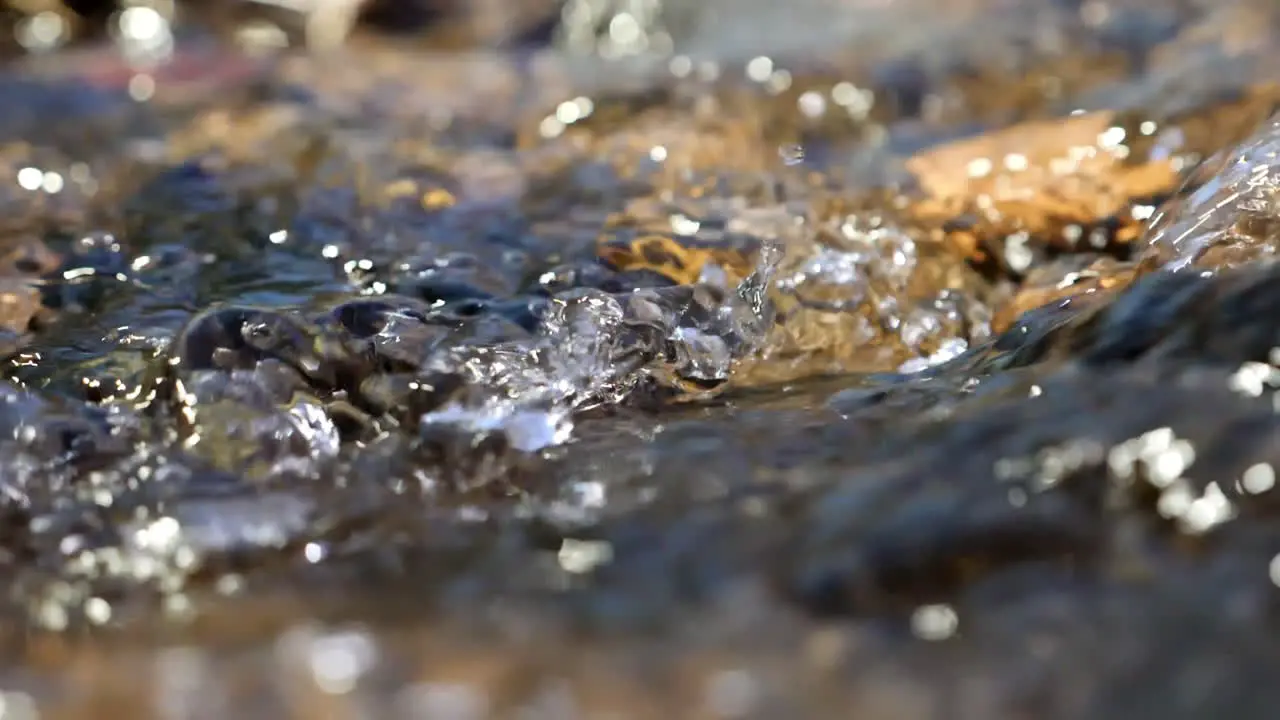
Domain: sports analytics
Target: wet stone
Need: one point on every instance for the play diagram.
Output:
(19, 304)
(1062, 279)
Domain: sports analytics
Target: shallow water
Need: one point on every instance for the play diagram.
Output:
(920, 366)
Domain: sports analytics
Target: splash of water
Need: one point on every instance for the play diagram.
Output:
(594, 347)
(1237, 203)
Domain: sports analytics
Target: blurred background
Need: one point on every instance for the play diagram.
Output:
(728, 30)
(611, 27)
(602, 28)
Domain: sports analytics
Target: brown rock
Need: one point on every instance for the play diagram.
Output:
(1061, 280)
(29, 256)
(19, 303)
(1053, 183)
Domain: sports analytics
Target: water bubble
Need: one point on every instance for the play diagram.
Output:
(791, 154)
(701, 356)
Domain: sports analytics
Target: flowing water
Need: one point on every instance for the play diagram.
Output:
(876, 359)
